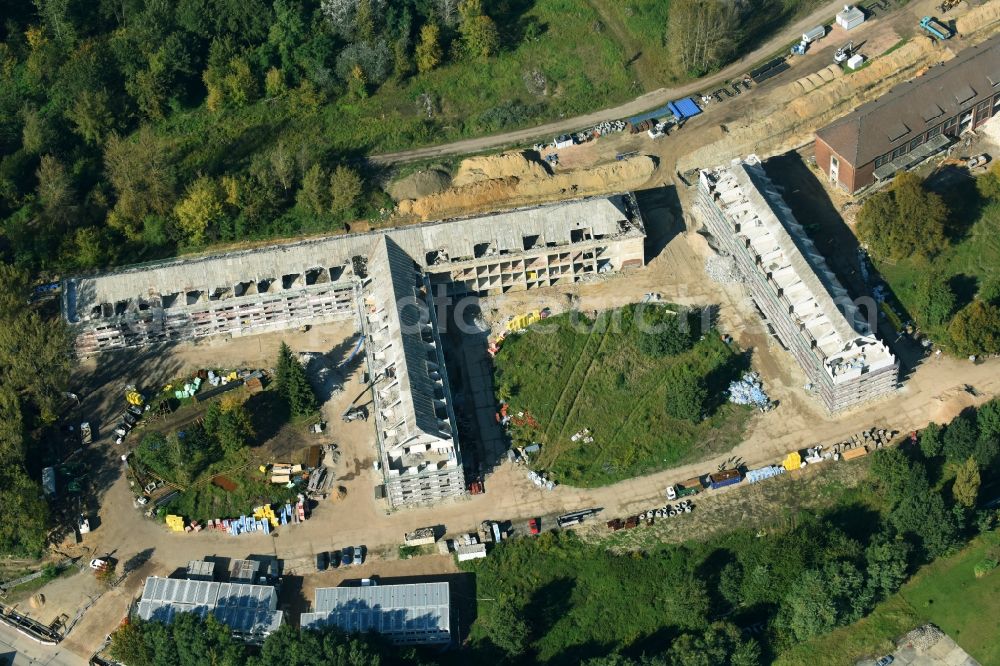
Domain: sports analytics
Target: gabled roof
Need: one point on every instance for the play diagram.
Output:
(912, 108)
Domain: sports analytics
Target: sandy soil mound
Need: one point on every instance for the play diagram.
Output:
(532, 184)
(420, 184)
(979, 18)
(490, 167)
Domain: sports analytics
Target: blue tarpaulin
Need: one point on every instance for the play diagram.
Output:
(661, 112)
(684, 108)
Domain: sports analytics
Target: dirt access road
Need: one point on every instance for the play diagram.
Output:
(645, 102)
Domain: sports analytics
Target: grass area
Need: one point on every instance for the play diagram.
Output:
(945, 593)
(25, 590)
(771, 507)
(572, 374)
(641, 26)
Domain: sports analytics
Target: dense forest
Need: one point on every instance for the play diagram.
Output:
(136, 129)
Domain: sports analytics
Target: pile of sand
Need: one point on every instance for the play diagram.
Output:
(512, 180)
(792, 113)
(979, 18)
(420, 184)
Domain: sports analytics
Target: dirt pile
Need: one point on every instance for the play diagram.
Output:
(793, 112)
(420, 184)
(979, 18)
(491, 167)
(511, 180)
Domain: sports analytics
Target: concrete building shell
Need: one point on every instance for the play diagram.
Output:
(313, 281)
(797, 295)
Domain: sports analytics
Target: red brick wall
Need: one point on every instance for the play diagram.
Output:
(846, 176)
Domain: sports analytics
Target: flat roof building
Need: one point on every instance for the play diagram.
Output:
(800, 300)
(912, 121)
(250, 611)
(418, 613)
(201, 570)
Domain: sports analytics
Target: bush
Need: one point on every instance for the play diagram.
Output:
(670, 334)
(984, 566)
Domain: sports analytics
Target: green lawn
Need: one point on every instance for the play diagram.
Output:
(945, 593)
(571, 377)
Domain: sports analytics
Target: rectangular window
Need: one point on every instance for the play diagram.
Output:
(916, 142)
(880, 160)
(981, 108)
(951, 123)
(933, 132)
(834, 162)
(899, 152)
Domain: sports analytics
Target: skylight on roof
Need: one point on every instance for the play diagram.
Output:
(897, 131)
(964, 94)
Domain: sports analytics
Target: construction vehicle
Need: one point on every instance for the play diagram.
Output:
(355, 414)
(808, 38)
(843, 53)
(935, 28)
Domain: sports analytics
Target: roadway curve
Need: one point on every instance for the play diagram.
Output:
(640, 104)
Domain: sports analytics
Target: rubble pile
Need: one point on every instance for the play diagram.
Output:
(722, 270)
(748, 391)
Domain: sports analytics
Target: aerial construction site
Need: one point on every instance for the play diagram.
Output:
(722, 223)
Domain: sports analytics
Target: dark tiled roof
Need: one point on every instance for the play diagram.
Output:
(912, 108)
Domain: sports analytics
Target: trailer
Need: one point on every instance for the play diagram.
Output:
(726, 477)
(816, 33)
(935, 28)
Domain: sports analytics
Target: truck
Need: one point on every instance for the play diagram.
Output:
(723, 478)
(685, 489)
(935, 28)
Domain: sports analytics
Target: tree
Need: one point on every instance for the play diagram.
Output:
(966, 487)
(960, 437)
(201, 210)
(229, 423)
(34, 359)
(345, 189)
(719, 645)
(934, 301)
(668, 334)
(55, 191)
(931, 440)
(479, 33)
(886, 564)
(141, 174)
(428, 51)
(700, 34)
(128, 644)
(314, 195)
(21, 494)
(820, 600)
(91, 116)
(357, 83)
(292, 383)
(987, 416)
(687, 395)
(906, 220)
(976, 329)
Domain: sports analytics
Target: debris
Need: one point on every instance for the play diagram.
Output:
(749, 391)
(722, 269)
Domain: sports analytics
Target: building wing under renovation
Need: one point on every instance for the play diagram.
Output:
(418, 613)
(285, 286)
(414, 416)
(799, 298)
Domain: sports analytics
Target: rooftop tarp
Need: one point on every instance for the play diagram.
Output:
(684, 108)
(657, 113)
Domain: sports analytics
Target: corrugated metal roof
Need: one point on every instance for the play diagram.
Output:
(248, 609)
(418, 612)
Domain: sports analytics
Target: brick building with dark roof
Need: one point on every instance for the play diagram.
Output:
(912, 121)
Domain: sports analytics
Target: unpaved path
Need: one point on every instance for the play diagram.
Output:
(640, 104)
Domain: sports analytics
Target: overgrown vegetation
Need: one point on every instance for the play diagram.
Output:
(559, 600)
(137, 129)
(191, 641)
(33, 370)
(938, 253)
(643, 380)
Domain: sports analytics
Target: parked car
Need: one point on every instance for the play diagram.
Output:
(347, 557)
(535, 525)
(142, 501)
(335, 558)
(98, 563)
(885, 661)
(359, 555)
(322, 561)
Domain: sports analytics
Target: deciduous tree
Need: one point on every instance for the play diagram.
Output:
(906, 220)
(976, 329)
(428, 51)
(201, 210)
(345, 189)
(966, 487)
(701, 34)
